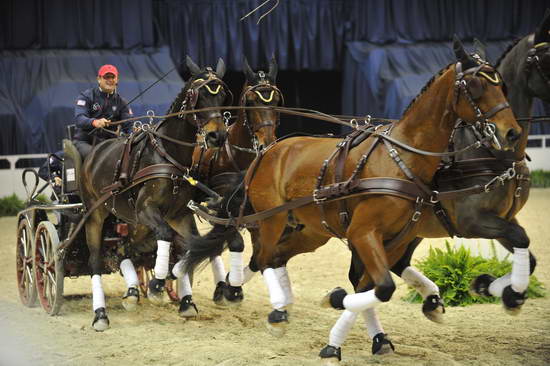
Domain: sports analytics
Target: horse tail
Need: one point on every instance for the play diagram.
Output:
(200, 248)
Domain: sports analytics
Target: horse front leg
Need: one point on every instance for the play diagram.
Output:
(511, 287)
(152, 217)
(94, 228)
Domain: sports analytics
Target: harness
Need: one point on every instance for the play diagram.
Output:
(412, 188)
(533, 59)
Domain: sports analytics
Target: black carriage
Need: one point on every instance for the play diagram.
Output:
(44, 253)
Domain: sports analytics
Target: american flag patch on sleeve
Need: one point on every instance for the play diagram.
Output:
(81, 102)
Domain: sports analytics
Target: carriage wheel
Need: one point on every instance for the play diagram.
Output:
(24, 263)
(49, 272)
(146, 275)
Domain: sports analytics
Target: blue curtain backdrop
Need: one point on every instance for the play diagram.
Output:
(385, 49)
(38, 90)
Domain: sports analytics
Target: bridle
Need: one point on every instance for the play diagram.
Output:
(213, 85)
(472, 89)
(533, 60)
(263, 86)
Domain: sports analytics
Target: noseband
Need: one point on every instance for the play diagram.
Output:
(473, 90)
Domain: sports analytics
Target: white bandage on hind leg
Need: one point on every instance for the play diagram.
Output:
(218, 269)
(361, 301)
(419, 282)
(340, 330)
(163, 257)
(177, 270)
(520, 269)
(129, 273)
(184, 286)
(284, 281)
(276, 293)
(497, 286)
(372, 323)
(98, 296)
(247, 274)
(236, 275)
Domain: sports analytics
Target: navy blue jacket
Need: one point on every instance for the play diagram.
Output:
(94, 104)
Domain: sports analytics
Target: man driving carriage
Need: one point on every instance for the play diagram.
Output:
(96, 108)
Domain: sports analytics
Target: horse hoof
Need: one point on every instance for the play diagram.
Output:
(512, 300)
(233, 294)
(433, 308)
(130, 299)
(277, 322)
(188, 309)
(101, 321)
(382, 345)
(331, 355)
(334, 299)
(480, 285)
(155, 293)
(218, 296)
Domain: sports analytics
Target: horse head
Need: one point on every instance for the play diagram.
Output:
(479, 100)
(205, 89)
(260, 90)
(537, 63)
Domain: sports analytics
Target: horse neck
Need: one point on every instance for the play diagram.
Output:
(512, 70)
(428, 124)
(182, 130)
(238, 133)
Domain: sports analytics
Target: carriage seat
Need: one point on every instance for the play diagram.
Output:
(71, 167)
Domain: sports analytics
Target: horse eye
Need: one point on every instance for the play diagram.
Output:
(475, 87)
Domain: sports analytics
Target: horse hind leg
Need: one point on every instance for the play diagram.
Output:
(233, 292)
(94, 227)
(130, 299)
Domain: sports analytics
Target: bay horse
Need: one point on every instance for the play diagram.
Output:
(525, 70)
(381, 202)
(153, 197)
(253, 130)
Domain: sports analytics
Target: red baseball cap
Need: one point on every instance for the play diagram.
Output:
(105, 69)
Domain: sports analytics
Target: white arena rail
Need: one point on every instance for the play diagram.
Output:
(10, 176)
(539, 151)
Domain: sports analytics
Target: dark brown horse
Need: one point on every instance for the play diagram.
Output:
(252, 131)
(294, 168)
(161, 157)
(525, 69)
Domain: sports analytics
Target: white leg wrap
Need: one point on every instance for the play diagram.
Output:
(372, 323)
(177, 270)
(340, 330)
(419, 282)
(520, 270)
(247, 274)
(163, 257)
(361, 301)
(284, 281)
(276, 294)
(98, 296)
(129, 273)
(236, 275)
(497, 286)
(184, 286)
(218, 269)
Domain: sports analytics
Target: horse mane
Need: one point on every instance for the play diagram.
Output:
(501, 58)
(428, 84)
(181, 95)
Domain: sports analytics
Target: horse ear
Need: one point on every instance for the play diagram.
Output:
(458, 48)
(543, 29)
(273, 69)
(220, 68)
(192, 66)
(480, 49)
(248, 73)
